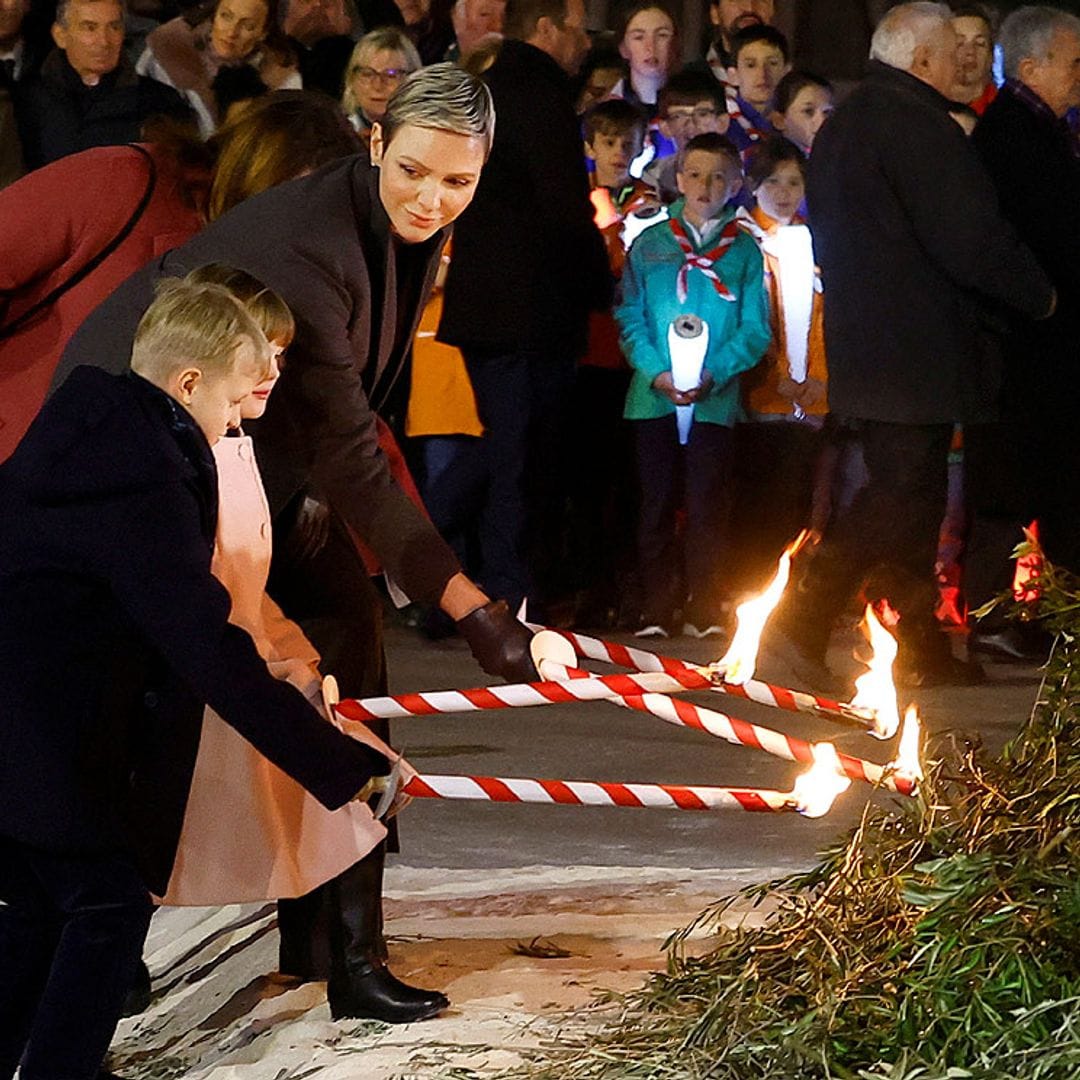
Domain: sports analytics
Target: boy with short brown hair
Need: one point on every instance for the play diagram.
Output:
(760, 58)
(690, 104)
(693, 317)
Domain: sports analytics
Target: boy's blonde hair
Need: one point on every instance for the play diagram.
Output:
(193, 326)
(263, 304)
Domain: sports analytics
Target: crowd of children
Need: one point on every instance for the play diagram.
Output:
(715, 262)
(697, 188)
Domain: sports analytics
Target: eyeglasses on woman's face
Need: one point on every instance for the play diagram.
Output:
(386, 77)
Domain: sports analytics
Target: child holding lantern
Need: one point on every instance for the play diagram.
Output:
(599, 527)
(784, 395)
(693, 317)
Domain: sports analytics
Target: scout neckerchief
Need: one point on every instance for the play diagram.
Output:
(737, 110)
(704, 261)
(629, 199)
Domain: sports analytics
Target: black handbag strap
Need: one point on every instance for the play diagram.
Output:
(91, 265)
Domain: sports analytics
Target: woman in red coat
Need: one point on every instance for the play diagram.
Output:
(57, 219)
(52, 223)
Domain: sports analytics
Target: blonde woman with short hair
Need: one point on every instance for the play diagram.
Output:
(379, 64)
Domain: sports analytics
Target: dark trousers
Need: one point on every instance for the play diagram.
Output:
(687, 572)
(774, 469)
(331, 596)
(1017, 471)
(600, 543)
(71, 935)
(891, 529)
(449, 472)
(522, 396)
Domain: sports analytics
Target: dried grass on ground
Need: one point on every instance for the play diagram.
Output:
(941, 941)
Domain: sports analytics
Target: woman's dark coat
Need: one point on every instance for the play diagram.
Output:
(321, 242)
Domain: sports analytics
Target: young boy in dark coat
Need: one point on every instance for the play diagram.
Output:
(113, 636)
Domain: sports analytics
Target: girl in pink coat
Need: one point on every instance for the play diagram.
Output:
(251, 832)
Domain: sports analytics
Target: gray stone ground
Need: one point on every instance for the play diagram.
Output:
(475, 881)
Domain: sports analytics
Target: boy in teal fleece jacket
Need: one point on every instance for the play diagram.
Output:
(699, 263)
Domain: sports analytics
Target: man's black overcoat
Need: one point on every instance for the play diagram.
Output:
(528, 263)
(918, 264)
(1037, 454)
(1037, 178)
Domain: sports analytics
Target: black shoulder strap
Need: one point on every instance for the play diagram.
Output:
(47, 301)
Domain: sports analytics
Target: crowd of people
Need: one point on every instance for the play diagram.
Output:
(688, 310)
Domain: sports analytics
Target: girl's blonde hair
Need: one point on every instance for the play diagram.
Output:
(263, 304)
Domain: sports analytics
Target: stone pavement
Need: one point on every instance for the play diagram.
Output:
(477, 882)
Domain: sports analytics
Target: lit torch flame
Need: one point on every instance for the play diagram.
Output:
(907, 762)
(1027, 587)
(738, 663)
(816, 790)
(604, 212)
(874, 689)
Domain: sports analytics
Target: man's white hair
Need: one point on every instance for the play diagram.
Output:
(903, 29)
(1028, 32)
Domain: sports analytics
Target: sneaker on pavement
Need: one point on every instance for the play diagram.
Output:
(713, 630)
(651, 630)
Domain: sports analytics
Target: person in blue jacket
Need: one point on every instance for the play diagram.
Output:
(691, 280)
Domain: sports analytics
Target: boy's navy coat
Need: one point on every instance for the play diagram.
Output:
(113, 633)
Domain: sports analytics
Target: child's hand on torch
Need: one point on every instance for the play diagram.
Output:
(664, 385)
(703, 388)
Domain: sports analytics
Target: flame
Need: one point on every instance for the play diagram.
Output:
(1029, 566)
(816, 790)
(907, 761)
(739, 661)
(874, 688)
(604, 212)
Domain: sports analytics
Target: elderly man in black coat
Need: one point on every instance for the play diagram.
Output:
(1033, 157)
(87, 93)
(353, 249)
(917, 262)
(113, 636)
(528, 265)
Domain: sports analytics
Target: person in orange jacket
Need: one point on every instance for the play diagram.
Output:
(784, 396)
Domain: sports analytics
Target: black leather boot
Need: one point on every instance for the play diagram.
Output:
(360, 984)
(306, 924)
(369, 991)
